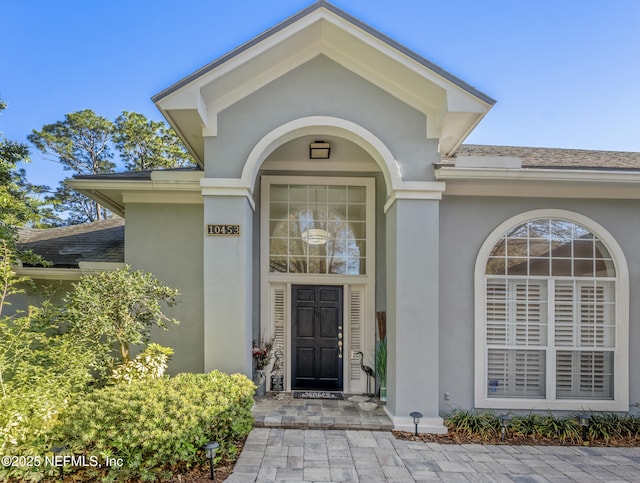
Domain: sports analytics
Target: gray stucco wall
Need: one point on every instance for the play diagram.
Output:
(321, 87)
(465, 223)
(167, 240)
(34, 295)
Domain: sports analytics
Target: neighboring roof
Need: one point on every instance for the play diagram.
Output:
(67, 246)
(453, 107)
(554, 158)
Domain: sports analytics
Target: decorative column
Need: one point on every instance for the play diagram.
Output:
(412, 306)
(228, 261)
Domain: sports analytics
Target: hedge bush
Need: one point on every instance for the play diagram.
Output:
(158, 426)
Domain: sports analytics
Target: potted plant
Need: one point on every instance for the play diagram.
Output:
(381, 367)
(262, 353)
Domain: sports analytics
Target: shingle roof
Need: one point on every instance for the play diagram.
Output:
(555, 157)
(66, 246)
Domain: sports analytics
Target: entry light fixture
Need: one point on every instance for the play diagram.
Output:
(319, 150)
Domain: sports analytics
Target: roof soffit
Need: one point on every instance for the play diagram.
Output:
(452, 107)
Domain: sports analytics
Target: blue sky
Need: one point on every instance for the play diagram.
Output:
(565, 73)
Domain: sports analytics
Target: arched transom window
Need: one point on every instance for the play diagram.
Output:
(550, 327)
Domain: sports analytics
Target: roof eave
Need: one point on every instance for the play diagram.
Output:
(601, 175)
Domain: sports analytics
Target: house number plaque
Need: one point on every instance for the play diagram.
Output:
(223, 230)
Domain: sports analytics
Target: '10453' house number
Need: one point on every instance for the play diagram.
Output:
(223, 230)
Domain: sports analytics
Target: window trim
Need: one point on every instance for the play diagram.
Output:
(620, 401)
(365, 283)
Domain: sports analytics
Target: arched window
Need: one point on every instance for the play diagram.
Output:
(550, 326)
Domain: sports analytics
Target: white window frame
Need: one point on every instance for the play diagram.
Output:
(620, 401)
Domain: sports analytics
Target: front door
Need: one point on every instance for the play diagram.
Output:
(317, 343)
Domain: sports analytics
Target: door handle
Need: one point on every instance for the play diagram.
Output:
(340, 349)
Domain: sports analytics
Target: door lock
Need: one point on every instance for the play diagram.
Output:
(340, 349)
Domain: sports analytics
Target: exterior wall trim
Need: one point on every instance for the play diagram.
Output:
(86, 268)
(226, 187)
(539, 174)
(366, 281)
(319, 125)
(540, 183)
(416, 190)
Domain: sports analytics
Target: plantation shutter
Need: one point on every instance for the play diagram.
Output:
(588, 373)
(278, 319)
(564, 314)
(516, 315)
(530, 331)
(356, 326)
(496, 332)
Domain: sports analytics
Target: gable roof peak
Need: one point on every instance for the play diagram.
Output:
(452, 106)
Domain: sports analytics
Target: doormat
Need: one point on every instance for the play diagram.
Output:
(317, 395)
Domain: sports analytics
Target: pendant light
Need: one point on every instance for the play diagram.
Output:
(315, 236)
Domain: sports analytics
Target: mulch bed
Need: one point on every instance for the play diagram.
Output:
(201, 474)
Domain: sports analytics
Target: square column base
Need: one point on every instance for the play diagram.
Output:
(431, 425)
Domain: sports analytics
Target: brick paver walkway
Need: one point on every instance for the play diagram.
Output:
(273, 454)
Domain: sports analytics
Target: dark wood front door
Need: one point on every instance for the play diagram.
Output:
(317, 340)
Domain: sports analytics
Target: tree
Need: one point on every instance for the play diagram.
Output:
(76, 206)
(82, 144)
(85, 143)
(118, 308)
(18, 205)
(144, 144)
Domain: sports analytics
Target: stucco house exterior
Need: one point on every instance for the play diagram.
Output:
(509, 276)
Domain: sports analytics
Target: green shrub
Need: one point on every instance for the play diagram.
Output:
(566, 430)
(149, 364)
(41, 373)
(608, 426)
(603, 427)
(528, 425)
(27, 424)
(474, 423)
(158, 426)
(117, 309)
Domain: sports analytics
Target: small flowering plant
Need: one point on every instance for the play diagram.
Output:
(262, 353)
